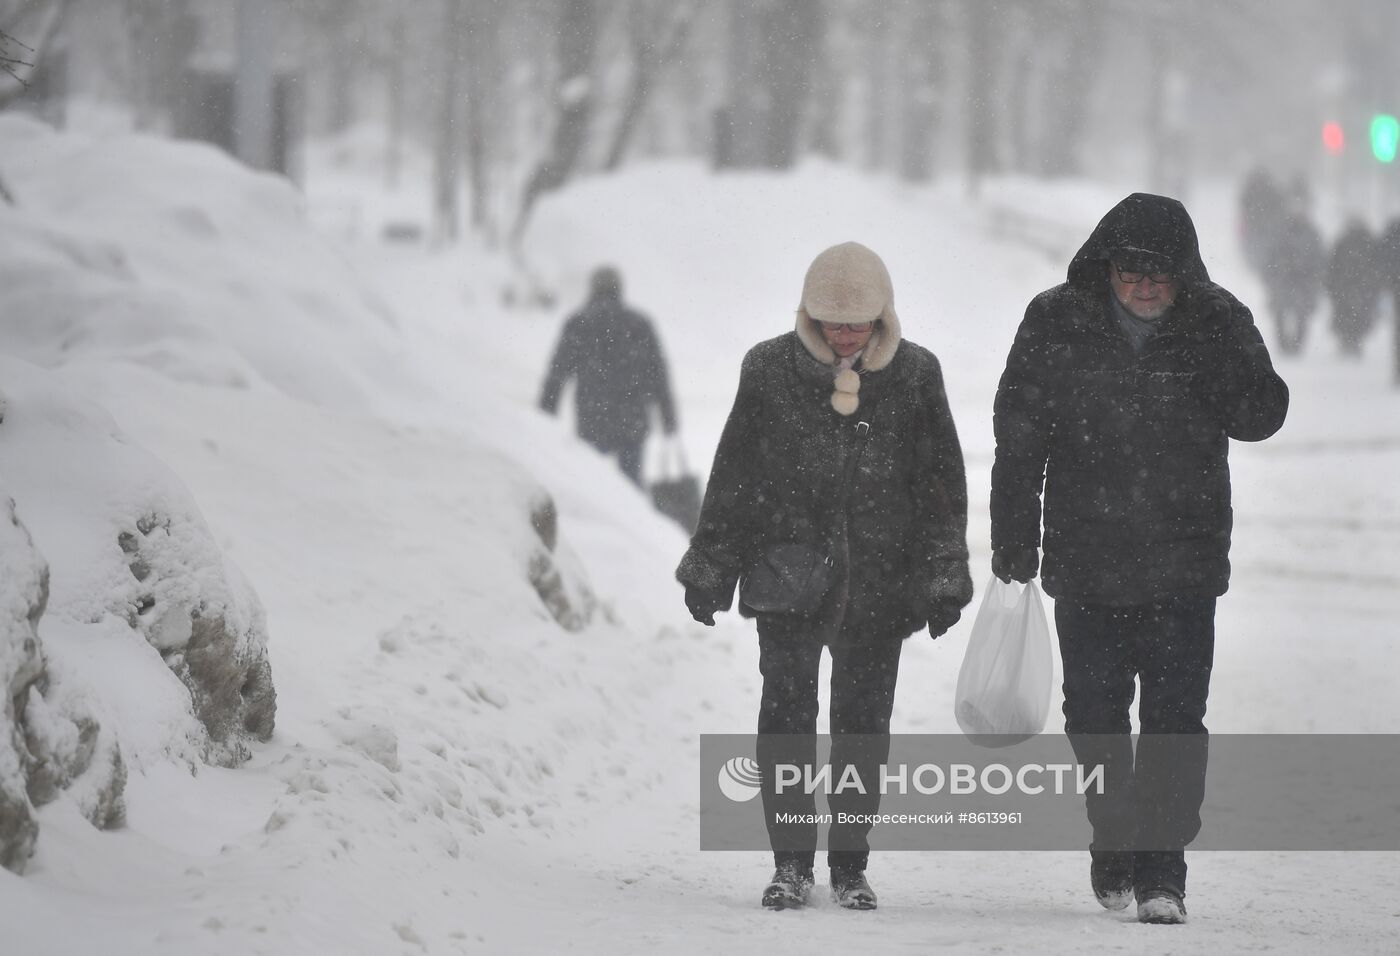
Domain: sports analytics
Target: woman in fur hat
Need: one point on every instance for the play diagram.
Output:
(838, 498)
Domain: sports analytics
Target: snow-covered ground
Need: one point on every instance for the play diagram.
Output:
(452, 771)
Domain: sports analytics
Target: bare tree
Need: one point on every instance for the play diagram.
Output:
(30, 25)
(447, 161)
(483, 75)
(38, 20)
(772, 46)
(657, 32)
(922, 74)
(1079, 28)
(573, 106)
(161, 36)
(10, 52)
(982, 117)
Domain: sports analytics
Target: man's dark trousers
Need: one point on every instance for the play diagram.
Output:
(863, 677)
(1151, 805)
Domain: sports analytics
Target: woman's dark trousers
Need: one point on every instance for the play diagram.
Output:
(863, 679)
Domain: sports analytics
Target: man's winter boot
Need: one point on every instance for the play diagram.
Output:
(790, 887)
(1111, 876)
(850, 889)
(1160, 904)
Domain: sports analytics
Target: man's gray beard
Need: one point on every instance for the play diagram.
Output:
(1157, 315)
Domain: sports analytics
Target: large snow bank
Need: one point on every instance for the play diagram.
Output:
(174, 257)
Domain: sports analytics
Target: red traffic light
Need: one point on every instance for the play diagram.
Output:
(1333, 139)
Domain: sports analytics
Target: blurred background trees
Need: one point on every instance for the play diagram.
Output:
(514, 99)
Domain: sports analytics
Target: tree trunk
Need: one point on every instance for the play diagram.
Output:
(1021, 79)
(573, 107)
(37, 46)
(255, 83)
(1073, 82)
(393, 154)
(923, 75)
(793, 40)
(652, 49)
(772, 44)
(446, 162)
(161, 35)
(483, 32)
(878, 89)
(982, 113)
(738, 121)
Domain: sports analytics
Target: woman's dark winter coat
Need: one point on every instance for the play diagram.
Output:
(900, 544)
(1130, 448)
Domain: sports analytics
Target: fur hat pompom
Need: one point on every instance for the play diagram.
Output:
(845, 403)
(848, 380)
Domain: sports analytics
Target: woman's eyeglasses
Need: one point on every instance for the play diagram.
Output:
(850, 326)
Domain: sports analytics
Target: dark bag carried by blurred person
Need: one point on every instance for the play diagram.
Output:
(676, 493)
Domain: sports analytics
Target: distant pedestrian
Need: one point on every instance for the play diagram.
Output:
(1261, 207)
(1389, 259)
(1354, 282)
(613, 353)
(1293, 277)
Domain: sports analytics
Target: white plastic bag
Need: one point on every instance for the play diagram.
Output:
(1003, 694)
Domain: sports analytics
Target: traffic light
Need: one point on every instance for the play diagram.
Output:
(1385, 137)
(1333, 139)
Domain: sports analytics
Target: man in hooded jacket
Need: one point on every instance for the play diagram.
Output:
(613, 354)
(843, 383)
(1121, 393)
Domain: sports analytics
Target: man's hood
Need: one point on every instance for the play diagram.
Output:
(1154, 232)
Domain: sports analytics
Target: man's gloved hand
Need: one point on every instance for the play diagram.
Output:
(703, 604)
(1225, 363)
(1015, 564)
(1213, 308)
(941, 617)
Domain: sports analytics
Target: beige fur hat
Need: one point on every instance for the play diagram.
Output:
(848, 283)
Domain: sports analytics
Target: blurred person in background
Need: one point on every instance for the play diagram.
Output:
(613, 353)
(1121, 392)
(1354, 281)
(1389, 260)
(840, 448)
(1261, 207)
(1293, 272)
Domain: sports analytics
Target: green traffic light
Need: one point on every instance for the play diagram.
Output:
(1385, 137)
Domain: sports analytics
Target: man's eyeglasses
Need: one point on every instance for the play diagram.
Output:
(1133, 278)
(850, 326)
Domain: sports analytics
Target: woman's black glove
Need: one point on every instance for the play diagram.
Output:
(703, 604)
(941, 617)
